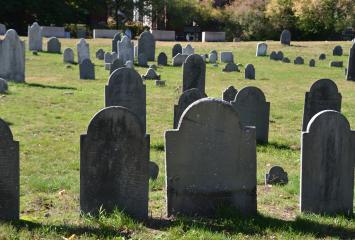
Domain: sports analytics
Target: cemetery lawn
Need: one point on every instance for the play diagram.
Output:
(48, 113)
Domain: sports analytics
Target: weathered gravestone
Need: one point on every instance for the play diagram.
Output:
(12, 57)
(114, 164)
(129, 64)
(250, 103)
(83, 50)
(153, 170)
(87, 70)
(323, 95)
(322, 56)
(188, 50)
(229, 94)
(179, 59)
(279, 55)
(213, 57)
(100, 54)
(249, 72)
(194, 73)
(186, 98)
(273, 55)
(151, 74)
(231, 67)
(298, 61)
(3, 85)
(115, 40)
(210, 161)
(227, 57)
(336, 64)
(350, 75)
(116, 64)
(108, 57)
(9, 174)
(285, 37)
(125, 88)
(312, 63)
(286, 60)
(53, 45)
(261, 49)
(338, 51)
(68, 55)
(35, 37)
(276, 175)
(114, 56)
(2, 29)
(146, 45)
(125, 49)
(142, 60)
(327, 165)
(162, 59)
(176, 50)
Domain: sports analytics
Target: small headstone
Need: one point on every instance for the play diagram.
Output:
(142, 60)
(276, 175)
(162, 59)
(261, 49)
(229, 94)
(146, 45)
(286, 60)
(279, 55)
(350, 73)
(176, 50)
(298, 61)
(100, 54)
(125, 49)
(108, 57)
(160, 83)
(107, 66)
(68, 56)
(322, 56)
(35, 37)
(151, 75)
(53, 45)
(227, 57)
(194, 73)
(213, 57)
(153, 170)
(116, 64)
(83, 50)
(188, 50)
(285, 37)
(338, 51)
(312, 63)
(115, 39)
(87, 70)
(179, 59)
(3, 86)
(129, 64)
(231, 67)
(336, 64)
(249, 72)
(273, 55)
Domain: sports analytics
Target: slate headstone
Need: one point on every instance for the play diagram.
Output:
(249, 72)
(125, 49)
(100, 54)
(176, 50)
(286, 60)
(350, 75)
(338, 51)
(322, 56)
(285, 37)
(298, 61)
(229, 94)
(53, 45)
(3, 85)
(227, 57)
(68, 55)
(162, 59)
(146, 45)
(261, 49)
(179, 59)
(279, 55)
(83, 50)
(87, 70)
(231, 67)
(213, 57)
(151, 74)
(188, 50)
(35, 37)
(129, 64)
(108, 57)
(194, 73)
(276, 175)
(273, 55)
(153, 170)
(312, 63)
(115, 39)
(2, 29)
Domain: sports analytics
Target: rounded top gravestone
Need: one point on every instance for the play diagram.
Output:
(249, 72)
(194, 73)
(229, 94)
(35, 37)
(338, 51)
(276, 175)
(146, 45)
(68, 55)
(176, 49)
(53, 45)
(285, 37)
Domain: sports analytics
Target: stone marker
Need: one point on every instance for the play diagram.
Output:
(298, 61)
(276, 175)
(188, 50)
(323, 95)
(336, 64)
(53, 45)
(273, 55)
(68, 56)
(117, 63)
(229, 94)
(129, 64)
(327, 165)
(286, 60)
(35, 37)
(115, 40)
(312, 63)
(253, 110)
(176, 50)
(12, 57)
(160, 83)
(146, 45)
(125, 88)
(151, 75)
(227, 57)
(2, 29)
(285, 37)
(9, 174)
(108, 58)
(350, 75)
(83, 50)
(261, 49)
(128, 33)
(338, 51)
(210, 161)
(114, 56)
(194, 73)
(125, 49)
(142, 60)
(179, 59)
(213, 57)
(162, 59)
(231, 67)
(249, 72)
(3, 86)
(186, 98)
(322, 56)
(100, 54)
(114, 164)
(279, 55)
(153, 170)
(87, 70)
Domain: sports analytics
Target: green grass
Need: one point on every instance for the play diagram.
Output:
(49, 112)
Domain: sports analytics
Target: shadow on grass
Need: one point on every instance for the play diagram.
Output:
(38, 85)
(158, 147)
(279, 146)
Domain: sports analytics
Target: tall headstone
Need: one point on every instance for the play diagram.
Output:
(146, 45)
(250, 103)
(108, 57)
(210, 161)
(162, 59)
(114, 164)
(261, 49)
(176, 49)
(125, 88)
(53, 45)
(35, 37)
(350, 75)
(249, 72)
(194, 73)
(298, 60)
(338, 51)
(68, 55)
(327, 165)
(12, 57)
(323, 95)
(188, 50)
(9, 174)
(87, 70)
(285, 37)
(213, 57)
(115, 40)
(229, 94)
(312, 63)
(125, 49)
(83, 50)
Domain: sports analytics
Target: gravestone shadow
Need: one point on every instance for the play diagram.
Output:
(39, 85)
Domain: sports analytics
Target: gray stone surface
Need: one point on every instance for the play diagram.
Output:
(194, 73)
(12, 57)
(186, 98)
(125, 88)
(285, 37)
(153, 170)
(188, 50)
(179, 59)
(229, 94)
(151, 74)
(210, 161)
(2, 29)
(231, 67)
(279, 55)
(323, 95)
(100, 54)
(9, 175)
(286, 60)
(142, 60)
(116, 64)
(83, 50)
(87, 70)
(350, 74)
(298, 61)
(273, 55)
(227, 57)
(125, 49)
(3, 86)
(337, 51)
(129, 64)
(176, 49)
(322, 56)
(336, 64)
(327, 165)
(114, 164)
(146, 45)
(249, 72)
(162, 59)
(213, 57)
(54, 45)
(115, 40)
(68, 55)
(276, 175)
(312, 63)
(261, 49)
(108, 57)
(35, 37)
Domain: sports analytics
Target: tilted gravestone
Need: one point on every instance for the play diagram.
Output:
(116, 64)
(142, 60)
(261, 49)
(87, 70)
(83, 50)
(125, 49)
(227, 57)
(276, 175)
(250, 103)
(100, 54)
(108, 57)
(176, 50)
(188, 50)
(186, 98)
(68, 55)
(125, 88)
(323, 95)
(162, 59)
(114, 164)
(338, 51)
(249, 72)
(151, 74)
(285, 37)
(146, 45)
(12, 57)
(350, 75)
(115, 40)
(231, 67)
(35, 37)
(53, 45)
(114, 56)
(194, 73)
(9, 174)
(327, 165)
(210, 161)
(229, 94)
(298, 61)
(312, 63)
(179, 59)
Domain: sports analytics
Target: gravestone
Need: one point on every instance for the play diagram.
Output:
(115, 40)
(273, 55)
(327, 165)
(312, 63)
(3, 85)
(285, 37)
(261, 49)
(338, 51)
(12, 57)
(279, 55)
(213, 57)
(176, 50)
(108, 57)
(188, 50)
(162, 59)
(151, 75)
(194, 73)
(129, 64)
(153, 170)
(276, 175)
(186, 98)
(125, 88)
(125, 49)
(146, 45)
(231, 67)
(53, 45)
(227, 57)
(87, 70)
(286, 60)
(116, 64)
(179, 59)
(2, 29)
(253, 110)
(68, 55)
(142, 60)
(100, 54)
(350, 75)
(298, 61)
(229, 94)
(322, 56)
(114, 56)
(35, 37)
(114, 164)
(83, 50)
(336, 64)
(9, 174)
(210, 161)
(323, 95)
(249, 72)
